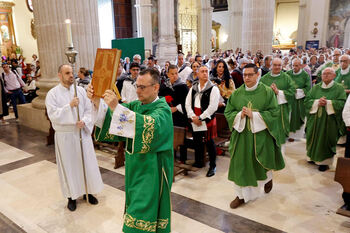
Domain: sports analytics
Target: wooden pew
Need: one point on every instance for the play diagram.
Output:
(179, 139)
(224, 132)
(342, 176)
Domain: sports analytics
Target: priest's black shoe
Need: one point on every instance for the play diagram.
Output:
(72, 204)
(323, 168)
(211, 171)
(92, 200)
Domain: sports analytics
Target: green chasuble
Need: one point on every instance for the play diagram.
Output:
(343, 79)
(149, 164)
(319, 70)
(253, 154)
(323, 130)
(303, 82)
(286, 84)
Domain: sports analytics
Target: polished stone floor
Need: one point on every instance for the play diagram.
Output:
(302, 200)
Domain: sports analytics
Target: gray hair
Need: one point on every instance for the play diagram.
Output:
(244, 60)
(297, 59)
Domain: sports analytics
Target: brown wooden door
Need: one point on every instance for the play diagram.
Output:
(122, 18)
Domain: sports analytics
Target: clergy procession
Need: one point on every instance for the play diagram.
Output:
(262, 114)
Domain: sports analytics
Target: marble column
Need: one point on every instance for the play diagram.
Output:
(167, 49)
(303, 23)
(235, 25)
(144, 21)
(257, 25)
(49, 17)
(205, 12)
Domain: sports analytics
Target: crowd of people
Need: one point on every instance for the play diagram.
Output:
(267, 100)
(305, 98)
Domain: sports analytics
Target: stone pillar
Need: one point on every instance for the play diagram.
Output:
(167, 49)
(49, 16)
(205, 12)
(302, 21)
(257, 25)
(144, 21)
(235, 31)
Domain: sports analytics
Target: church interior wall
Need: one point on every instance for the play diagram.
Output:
(286, 21)
(221, 17)
(22, 24)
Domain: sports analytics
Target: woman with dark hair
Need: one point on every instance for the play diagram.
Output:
(193, 77)
(84, 77)
(221, 76)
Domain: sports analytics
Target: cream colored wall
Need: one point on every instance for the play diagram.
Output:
(286, 21)
(222, 17)
(22, 17)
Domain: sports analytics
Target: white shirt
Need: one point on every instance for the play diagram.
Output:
(213, 103)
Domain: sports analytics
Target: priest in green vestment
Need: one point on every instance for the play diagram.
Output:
(251, 113)
(146, 127)
(343, 74)
(303, 84)
(284, 88)
(324, 105)
(334, 64)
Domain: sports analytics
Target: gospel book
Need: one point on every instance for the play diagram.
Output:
(105, 71)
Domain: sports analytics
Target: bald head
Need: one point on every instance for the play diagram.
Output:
(276, 65)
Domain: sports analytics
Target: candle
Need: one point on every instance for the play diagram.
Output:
(69, 32)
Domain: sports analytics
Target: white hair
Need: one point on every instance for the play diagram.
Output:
(136, 56)
(345, 55)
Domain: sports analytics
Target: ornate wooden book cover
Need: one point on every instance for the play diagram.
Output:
(105, 71)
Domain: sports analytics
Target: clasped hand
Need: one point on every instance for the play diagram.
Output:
(274, 88)
(196, 121)
(322, 101)
(246, 112)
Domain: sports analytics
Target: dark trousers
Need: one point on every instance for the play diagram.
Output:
(199, 140)
(16, 94)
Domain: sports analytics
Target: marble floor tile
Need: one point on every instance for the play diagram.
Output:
(9, 154)
(302, 199)
(34, 202)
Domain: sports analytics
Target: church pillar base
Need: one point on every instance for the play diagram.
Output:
(33, 117)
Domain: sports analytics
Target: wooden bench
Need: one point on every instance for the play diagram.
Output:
(342, 176)
(179, 140)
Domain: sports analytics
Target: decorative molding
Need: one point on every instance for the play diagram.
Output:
(6, 5)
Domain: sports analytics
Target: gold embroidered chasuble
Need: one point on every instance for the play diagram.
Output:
(148, 132)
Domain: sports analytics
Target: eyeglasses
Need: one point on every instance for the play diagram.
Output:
(143, 87)
(343, 60)
(135, 69)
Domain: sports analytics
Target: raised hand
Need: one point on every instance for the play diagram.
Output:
(111, 99)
